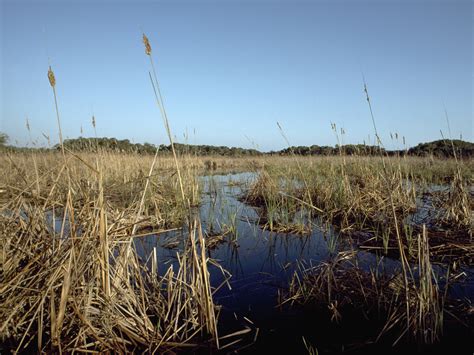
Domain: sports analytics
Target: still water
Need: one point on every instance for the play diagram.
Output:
(262, 264)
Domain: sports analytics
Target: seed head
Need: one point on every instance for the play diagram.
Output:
(146, 42)
(52, 79)
(93, 121)
(27, 125)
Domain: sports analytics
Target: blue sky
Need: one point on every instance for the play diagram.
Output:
(229, 70)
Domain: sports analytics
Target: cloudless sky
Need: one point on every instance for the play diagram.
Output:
(229, 70)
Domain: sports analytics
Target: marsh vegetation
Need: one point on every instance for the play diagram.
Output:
(116, 250)
(92, 260)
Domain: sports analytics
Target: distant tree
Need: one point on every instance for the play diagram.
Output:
(3, 139)
(444, 148)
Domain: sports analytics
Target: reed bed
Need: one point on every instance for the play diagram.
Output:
(399, 206)
(122, 179)
(71, 277)
(73, 281)
(376, 201)
(414, 310)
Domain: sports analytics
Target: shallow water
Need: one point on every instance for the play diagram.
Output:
(263, 262)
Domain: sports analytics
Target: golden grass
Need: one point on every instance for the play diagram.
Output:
(64, 290)
(71, 277)
(370, 195)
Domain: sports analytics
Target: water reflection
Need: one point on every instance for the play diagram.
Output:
(261, 262)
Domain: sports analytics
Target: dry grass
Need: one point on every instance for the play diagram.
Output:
(340, 282)
(376, 198)
(71, 278)
(372, 197)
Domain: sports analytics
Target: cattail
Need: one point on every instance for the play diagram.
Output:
(93, 121)
(52, 79)
(146, 42)
(27, 125)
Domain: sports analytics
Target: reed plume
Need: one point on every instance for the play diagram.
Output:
(146, 42)
(51, 77)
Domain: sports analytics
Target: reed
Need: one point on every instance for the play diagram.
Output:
(363, 196)
(85, 287)
(339, 283)
(54, 297)
(72, 279)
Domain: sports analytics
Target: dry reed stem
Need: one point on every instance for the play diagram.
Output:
(76, 308)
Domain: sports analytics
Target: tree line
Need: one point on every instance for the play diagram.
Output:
(125, 146)
(442, 148)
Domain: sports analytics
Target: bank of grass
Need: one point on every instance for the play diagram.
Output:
(122, 179)
(362, 196)
(377, 201)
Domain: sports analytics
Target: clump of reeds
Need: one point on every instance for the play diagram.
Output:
(414, 308)
(345, 192)
(62, 291)
(426, 302)
(456, 205)
(123, 180)
(281, 204)
(365, 196)
(337, 284)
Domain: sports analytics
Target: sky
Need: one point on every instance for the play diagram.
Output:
(230, 70)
